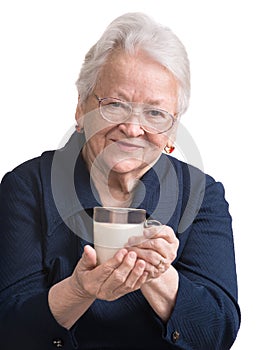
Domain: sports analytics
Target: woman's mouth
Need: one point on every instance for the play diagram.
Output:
(127, 146)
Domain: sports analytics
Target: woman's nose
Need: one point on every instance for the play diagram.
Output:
(132, 127)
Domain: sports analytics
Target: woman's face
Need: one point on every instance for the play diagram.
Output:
(127, 147)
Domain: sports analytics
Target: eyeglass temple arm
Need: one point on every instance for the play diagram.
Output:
(98, 99)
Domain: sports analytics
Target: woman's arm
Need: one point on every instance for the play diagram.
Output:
(38, 301)
(161, 293)
(25, 318)
(197, 296)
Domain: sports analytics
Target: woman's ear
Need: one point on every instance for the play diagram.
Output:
(172, 134)
(174, 128)
(79, 116)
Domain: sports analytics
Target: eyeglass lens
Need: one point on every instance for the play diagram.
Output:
(152, 119)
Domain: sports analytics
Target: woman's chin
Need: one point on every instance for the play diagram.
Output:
(127, 166)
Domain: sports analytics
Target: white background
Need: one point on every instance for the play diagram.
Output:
(42, 47)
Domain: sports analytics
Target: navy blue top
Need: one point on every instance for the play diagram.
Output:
(46, 219)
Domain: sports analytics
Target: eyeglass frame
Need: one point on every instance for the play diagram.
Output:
(101, 99)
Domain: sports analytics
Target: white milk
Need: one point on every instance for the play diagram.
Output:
(110, 237)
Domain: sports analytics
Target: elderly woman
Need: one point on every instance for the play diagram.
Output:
(173, 288)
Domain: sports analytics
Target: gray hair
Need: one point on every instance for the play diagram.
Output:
(133, 31)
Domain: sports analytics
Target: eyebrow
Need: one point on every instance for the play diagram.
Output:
(153, 102)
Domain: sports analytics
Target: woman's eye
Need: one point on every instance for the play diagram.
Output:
(115, 104)
(155, 113)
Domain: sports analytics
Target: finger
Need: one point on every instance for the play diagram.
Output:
(152, 270)
(117, 277)
(142, 280)
(121, 273)
(117, 259)
(156, 263)
(163, 231)
(105, 270)
(135, 274)
(149, 234)
(88, 259)
(135, 241)
(155, 249)
(87, 278)
(135, 279)
(150, 255)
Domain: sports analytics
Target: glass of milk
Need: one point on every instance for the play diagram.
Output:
(112, 228)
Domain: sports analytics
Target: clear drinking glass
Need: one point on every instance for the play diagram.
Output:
(113, 227)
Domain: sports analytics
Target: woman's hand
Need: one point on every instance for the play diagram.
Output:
(123, 273)
(145, 258)
(71, 298)
(158, 248)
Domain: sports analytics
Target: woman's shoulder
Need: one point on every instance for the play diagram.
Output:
(31, 170)
(190, 171)
(195, 182)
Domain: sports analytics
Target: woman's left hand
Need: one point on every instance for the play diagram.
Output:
(157, 247)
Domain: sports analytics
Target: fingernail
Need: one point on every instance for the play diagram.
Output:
(132, 255)
(141, 264)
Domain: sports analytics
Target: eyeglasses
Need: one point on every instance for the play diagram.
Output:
(152, 120)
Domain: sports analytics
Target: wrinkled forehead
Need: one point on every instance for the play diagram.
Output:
(136, 77)
(121, 62)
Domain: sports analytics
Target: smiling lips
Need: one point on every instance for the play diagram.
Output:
(127, 146)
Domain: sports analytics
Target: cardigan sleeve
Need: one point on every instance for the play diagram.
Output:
(24, 312)
(206, 314)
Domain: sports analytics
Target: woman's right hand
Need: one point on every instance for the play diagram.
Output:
(72, 297)
(116, 277)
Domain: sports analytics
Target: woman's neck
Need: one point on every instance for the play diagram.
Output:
(114, 189)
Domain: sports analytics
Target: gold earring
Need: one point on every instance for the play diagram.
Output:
(168, 149)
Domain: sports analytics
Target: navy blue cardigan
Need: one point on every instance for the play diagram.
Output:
(46, 219)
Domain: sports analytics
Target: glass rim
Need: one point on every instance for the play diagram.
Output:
(119, 209)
